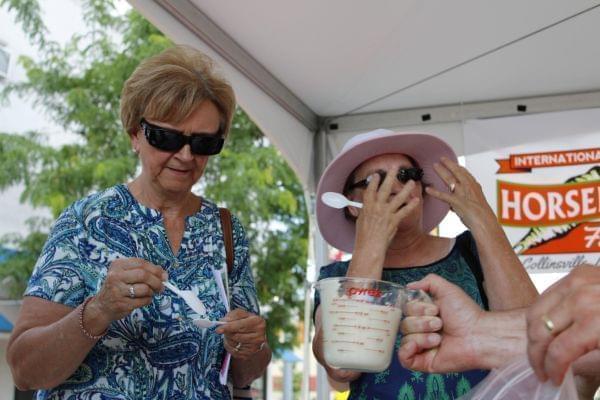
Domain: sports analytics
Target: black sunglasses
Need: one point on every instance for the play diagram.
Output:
(202, 144)
(403, 175)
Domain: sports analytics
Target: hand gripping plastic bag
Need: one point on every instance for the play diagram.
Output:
(517, 381)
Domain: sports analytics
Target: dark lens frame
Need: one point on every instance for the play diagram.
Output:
(171, 140)
(403, 175)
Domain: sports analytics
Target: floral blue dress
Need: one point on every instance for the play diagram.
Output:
(397, 382)
(155, 352)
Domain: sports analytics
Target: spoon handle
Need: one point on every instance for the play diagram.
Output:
(172, 288)
(355, 204)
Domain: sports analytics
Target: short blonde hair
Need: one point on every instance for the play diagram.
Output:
(170, 86)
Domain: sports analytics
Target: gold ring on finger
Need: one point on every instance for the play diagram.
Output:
(131, 292)
(548, 324)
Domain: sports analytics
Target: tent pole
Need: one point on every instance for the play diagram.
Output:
(321, 257)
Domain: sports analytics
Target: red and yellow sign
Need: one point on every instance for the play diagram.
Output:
(547, 205)
(560, 217)
(519, 163)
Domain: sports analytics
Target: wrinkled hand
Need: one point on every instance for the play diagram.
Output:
(245, 333)
(573, 307)
(424, 346)
(342, 375)
(383, 211)
(114, 299)
(467, 199)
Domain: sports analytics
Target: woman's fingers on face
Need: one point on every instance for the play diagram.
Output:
(445, 173)
(460, 173)
(371, 189)
(385, 189)
(422, 324)
(406, 210)
(443, 196)
(403, 196)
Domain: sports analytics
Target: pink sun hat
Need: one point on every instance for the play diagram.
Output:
(424, 148)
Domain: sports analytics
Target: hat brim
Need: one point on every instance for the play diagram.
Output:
(426, 149)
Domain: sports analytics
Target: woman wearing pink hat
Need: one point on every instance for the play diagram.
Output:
(407, 183)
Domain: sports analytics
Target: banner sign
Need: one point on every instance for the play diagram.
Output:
(541, 174)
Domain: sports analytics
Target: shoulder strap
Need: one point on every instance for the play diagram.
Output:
(227, 236)
(466, 248)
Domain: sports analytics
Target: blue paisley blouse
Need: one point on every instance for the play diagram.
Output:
(397, 382)
(155, 352)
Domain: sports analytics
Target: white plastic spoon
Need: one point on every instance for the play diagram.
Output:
(189, 297)
(338, 200)
(206, 323)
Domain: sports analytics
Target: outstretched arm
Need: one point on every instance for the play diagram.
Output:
(470, 337)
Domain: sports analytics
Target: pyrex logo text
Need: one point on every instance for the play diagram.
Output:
(352, 291)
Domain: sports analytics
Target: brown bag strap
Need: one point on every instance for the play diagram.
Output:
(227, 236)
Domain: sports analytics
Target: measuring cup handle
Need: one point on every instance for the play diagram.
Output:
(419, 295)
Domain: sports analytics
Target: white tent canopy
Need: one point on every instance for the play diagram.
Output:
(308, 69)
(313, 73)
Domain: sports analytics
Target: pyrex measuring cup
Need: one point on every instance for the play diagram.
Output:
(360, 319)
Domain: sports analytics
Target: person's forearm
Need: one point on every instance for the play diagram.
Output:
(367, 261)
(44, 357)
(507, 283)
(498, 338)
(244, 372)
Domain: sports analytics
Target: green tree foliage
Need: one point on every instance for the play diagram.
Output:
(78, 86)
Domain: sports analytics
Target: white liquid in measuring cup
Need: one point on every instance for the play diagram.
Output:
(357, 334)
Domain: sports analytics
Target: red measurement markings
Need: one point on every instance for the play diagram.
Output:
(375, 350)
(348, 341)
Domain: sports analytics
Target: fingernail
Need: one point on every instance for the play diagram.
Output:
(165, 276)
(432, 338)
(435, 324)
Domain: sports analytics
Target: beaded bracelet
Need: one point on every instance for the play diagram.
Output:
(85, 332)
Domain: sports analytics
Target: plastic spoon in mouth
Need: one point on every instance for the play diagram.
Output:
(338, 200)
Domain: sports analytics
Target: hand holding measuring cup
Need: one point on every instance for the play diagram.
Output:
(360, 320)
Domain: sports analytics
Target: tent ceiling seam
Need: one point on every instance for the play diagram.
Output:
(470, 60)
(217, 39)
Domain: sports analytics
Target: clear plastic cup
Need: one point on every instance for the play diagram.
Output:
(360, 320)
(517, 381)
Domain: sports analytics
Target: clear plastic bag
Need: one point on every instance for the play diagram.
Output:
(517, 381)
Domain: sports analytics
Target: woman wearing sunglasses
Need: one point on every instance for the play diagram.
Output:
(96, 319)
(407, 183)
